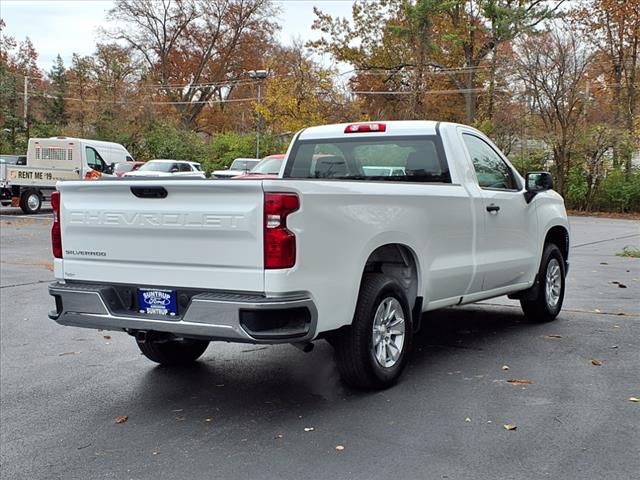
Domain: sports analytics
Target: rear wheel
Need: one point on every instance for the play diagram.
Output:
(170, 350)
(547, 304)
(373, 351)
(31, 201)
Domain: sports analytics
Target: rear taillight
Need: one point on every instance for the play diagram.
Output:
(279, 242)
(56, 235)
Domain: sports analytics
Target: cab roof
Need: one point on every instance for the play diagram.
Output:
(392, 128)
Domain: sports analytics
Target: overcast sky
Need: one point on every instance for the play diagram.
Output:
(70, 26)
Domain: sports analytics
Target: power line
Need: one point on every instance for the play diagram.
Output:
(121, 102)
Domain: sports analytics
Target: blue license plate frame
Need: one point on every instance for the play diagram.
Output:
(157, 301)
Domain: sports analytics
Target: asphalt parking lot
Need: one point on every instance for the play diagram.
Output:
(275, 412)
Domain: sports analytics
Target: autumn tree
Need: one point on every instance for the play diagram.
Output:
(449, 37)
(56, 112)
(9, 99)
(18, 67)
(194, 48)
(116, 73)
(81, 85)
(613, 26)
(552, 69)
(299, 92)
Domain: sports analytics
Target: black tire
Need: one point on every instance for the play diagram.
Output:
(30, 201)
(355, 355)
(5, 204)
(167, 350)
(543, 308)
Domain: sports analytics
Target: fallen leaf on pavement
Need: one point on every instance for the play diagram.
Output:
(121, 418)
(604, 263)
(467, 419)
(622, 285)
(279, 435)
(510, 426)
(339, 448)
(597, 310)
(67, 353)
(596, 362)
(505, 367)
(552, 337)
(518, 381)
(634, 399)
(207, 419)
(107, 337)
(309, 429)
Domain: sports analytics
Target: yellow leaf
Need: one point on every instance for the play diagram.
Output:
(596, 362)
(121, 418)
(634, 399)
(510, 426)
(340, 447)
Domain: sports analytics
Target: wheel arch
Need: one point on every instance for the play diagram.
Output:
(559, 236)
(399, 261)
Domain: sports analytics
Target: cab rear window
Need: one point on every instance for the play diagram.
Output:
(409, 159)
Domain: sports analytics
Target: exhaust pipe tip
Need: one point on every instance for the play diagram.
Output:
(306, 347)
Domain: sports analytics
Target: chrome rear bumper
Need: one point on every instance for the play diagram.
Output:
(231, 317)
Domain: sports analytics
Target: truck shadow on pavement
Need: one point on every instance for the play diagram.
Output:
(280, 381)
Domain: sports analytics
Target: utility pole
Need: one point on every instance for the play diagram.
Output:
(258, 75)
(26, 100)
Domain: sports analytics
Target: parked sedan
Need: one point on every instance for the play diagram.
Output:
(238, 167)
(125, 167)
(168, 168)
(268, 167)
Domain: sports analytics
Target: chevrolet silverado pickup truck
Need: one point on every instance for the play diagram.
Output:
(368, 226)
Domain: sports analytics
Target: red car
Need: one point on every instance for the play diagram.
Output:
(268, 167)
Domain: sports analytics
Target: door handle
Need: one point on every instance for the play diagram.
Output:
(493, 208)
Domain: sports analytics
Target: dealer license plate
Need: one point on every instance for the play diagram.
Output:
(157, 301)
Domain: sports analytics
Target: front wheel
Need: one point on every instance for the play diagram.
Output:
(373, 351)
(547, 304)
(169, 350)
(31, 201)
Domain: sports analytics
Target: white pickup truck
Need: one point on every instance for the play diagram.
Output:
(368, 226)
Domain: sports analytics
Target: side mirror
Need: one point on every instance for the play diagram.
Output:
(110, 168)
(536, 182)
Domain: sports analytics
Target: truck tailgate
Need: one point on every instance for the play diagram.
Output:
(183, 233)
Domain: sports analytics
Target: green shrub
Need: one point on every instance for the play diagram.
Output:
(164, 141)
(577, 188)
(226, 147)
(619, 192)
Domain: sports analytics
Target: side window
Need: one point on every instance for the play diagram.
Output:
(94, 160)
(185, 167)
(491, 170)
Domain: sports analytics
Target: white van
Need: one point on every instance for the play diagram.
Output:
(50, 160)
